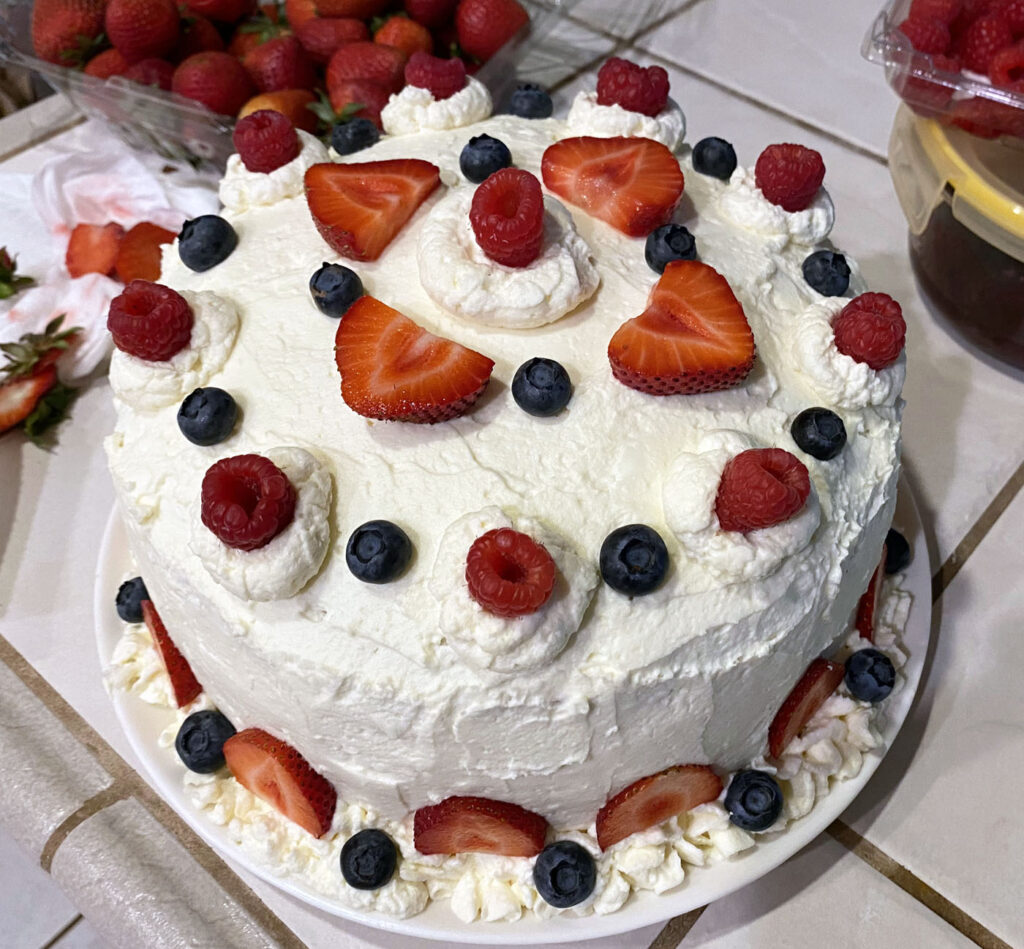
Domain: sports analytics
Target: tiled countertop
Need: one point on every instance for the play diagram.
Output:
(929, 855)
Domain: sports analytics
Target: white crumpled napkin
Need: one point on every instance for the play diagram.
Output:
(94, 179)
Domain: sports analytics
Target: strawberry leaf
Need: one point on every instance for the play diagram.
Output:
(10, 282)
(49, 410)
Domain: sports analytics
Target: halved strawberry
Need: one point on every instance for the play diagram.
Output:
(20, 395)
(820, 680)
(654, 799)
(867, 606)
(693, 336)
(139, 255)
(633, 184)
(274, 771)
(478, 825)
(358, 207)
(391, 368)
(184, 683)
(93, 248)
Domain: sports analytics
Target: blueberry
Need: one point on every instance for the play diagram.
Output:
(870, 675)
(200, 741)
(529, 101)
(897, 551)
(541, 387)
(205, 241)
(368, 859)
(754, 800)
(130, 595)
(827, 272)
(207, 416)
(667, 243)
(819, 432)
(564, 874)
(714, 157)
(378, 551)
(482, 156)
(353, 135)
(335, 288)
(634, 559)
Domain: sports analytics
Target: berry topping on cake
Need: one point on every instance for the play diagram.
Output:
(761, 487)
(870, 675)
(870, 329)
(819, 432)
(667, 243)
(634, 559)
(393, 369)
(926, 34)
(817, 683)
(633, 184)
(150, 321)
(378, 552)
(138, 257)
(441, 77)
(636, 89)
(265, 140)
(789, 175)
(359, 207)
(508, 573)
(482, 156)
(247, 501)
(207, 416)
(541, 387)
(128, 601)
(867, 605)
(897, 552)
(507, 215)
(530, 101)
(827, 272)
(484, 26)
(200, 741)
(353, 135)
(753, 800)
(93, 248)
(654, 799)
(274, 771)
(478, 825)
(335, 288)
(693, 337)
(184, 685)
(205, 241)
(715, 157)
(564, 873)
(368, 859)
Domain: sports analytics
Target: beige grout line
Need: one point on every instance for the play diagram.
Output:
(915, 887)
(676, 929)
(59, 936)
(44, 137)
(111, 794)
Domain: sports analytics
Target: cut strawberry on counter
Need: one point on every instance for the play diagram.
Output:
(184, 684)
(820, 680)
(275, 772)
(478, 825)
(20, 396)
(93, 248)
(633, 184)
(867, 606)
(654, 799)
(693, 337)
(393, 369)
(138, 258)
(359, 207)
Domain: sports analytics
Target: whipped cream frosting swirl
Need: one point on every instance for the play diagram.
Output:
(744, 204)
(587, 117)
(416, 110)
(241, 189)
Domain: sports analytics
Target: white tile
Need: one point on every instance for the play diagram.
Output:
(625, 20)
(946, 802)
(81, 936)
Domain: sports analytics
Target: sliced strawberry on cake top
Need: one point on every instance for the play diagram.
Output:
(633, 184)
(478, 825)
(393, 369)
(184, 683)
(693, 337)
(359, 207)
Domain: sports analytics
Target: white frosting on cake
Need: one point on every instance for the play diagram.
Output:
(241, 189)
(744, 204)
(587, 117)
(416, 110)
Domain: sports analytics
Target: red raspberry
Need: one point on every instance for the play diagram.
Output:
(870, 329)
(945, 11)
(926, 34)
(761, 487)
(247, 501)
(509, 573)
(1007, 67)
(265, 140)
(623, 83)
(443, 77)
(150, 321)
(507, 215)
(1013, 11)
(789, 175)
(985, 37)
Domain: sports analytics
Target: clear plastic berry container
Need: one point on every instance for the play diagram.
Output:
(964, 99)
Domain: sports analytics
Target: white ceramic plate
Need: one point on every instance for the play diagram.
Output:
(143, 723)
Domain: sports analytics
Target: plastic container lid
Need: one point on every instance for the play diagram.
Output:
(982, 180)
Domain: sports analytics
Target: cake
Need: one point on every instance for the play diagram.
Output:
(406, 695)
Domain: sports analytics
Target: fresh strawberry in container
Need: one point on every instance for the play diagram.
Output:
(64, 31)
(484, 26)
(141, 29)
